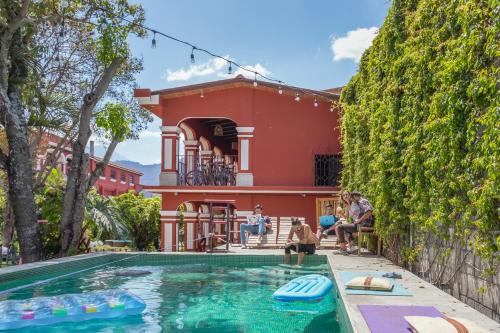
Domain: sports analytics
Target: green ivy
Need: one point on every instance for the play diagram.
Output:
(420, 126)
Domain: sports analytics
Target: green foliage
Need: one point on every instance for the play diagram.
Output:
(142, 217)
(49, 201)
(114, 119)
(102, 218)
(420, 125)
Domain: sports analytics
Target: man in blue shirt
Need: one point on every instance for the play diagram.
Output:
(256, 224)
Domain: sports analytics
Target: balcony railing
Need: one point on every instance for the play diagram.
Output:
(206, 171)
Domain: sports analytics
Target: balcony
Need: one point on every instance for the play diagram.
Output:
(207, 170)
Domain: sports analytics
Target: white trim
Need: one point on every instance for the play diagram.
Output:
(113, 180)
(245, 135)
(206, 152)
(131, 184)
(121, 182)
(168, 236)
(191, 143)
(167, 153)
(245, 154)
(190, 214)
(151, 100)
(244, 179)
(169, 213)
(249, 191)
(170, 129)
(190, 236)
(101, 177)
(245, 129)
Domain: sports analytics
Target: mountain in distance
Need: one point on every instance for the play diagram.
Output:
(151, 171)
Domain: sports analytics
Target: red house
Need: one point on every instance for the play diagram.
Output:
(251, 142)
(116, 179)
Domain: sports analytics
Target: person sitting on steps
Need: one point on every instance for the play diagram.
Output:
(306, 244)
(256, 224)
(328, 222)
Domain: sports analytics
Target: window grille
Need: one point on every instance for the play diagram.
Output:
(131, 179)
(113, 174)
(327, 170)
(122, 177)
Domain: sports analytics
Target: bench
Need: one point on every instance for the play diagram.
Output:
(268, 239)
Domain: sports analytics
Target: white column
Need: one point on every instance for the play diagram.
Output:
(170, 137)
(245, 155)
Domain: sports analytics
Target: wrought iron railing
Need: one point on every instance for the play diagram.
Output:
(206, 171)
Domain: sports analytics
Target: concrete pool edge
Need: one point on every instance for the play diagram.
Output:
(423, 293)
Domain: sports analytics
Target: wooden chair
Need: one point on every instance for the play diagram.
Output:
(268, 239)
(363, 231)
(284, 225)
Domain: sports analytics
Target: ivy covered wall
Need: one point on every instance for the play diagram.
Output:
(420, 130)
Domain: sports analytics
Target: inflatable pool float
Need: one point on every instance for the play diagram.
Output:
(133, 272)
(68, 308)
(308, 288)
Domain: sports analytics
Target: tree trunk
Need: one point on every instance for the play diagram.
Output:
(9, 222)
(20, 177)
(77, 183)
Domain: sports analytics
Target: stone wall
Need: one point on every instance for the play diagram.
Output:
(462, 274)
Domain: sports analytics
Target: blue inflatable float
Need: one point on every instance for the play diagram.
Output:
(68, 308)
(307, 288)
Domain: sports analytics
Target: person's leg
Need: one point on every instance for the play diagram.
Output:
(300, 257)
(262, 230)
(288, 254)
(341, 236)
(243, 234)
(320, 233)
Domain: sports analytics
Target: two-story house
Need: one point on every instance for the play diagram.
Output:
(251, 142)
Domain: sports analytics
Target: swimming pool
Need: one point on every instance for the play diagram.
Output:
(187, 293)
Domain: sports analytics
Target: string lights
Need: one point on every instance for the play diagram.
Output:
(281, 84)
(192, 54)
(153, 41)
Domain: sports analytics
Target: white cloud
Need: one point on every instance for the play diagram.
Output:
(353, 44)
(239, 71)
(216, 67)
(207, 68)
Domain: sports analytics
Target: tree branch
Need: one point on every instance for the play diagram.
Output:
(99, 170)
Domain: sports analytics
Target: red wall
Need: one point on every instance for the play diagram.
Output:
(287, 133)
(111, 188)
(282, 205)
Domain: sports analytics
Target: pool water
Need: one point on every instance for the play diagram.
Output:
(196, 298)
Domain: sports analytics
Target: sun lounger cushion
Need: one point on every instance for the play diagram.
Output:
(421, 324)
(370, 283)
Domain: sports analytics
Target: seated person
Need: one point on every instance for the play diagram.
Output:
(307, 241)
(256, 224)
(327, 226)
(363, 218)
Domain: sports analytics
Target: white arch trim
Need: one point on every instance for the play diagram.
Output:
(188, 131)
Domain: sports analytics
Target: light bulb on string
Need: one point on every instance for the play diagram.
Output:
(230, 69)
(201, 94)
(192, 55)
(255, 79)
(297, 97)
(315, 102)
(331, 106)
(153, 41)
(280, 90)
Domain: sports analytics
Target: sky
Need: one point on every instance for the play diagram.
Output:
(313, 44)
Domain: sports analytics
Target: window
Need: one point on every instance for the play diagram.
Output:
(131, 179)
(113, 174)
(327, 170)
(122, 177)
